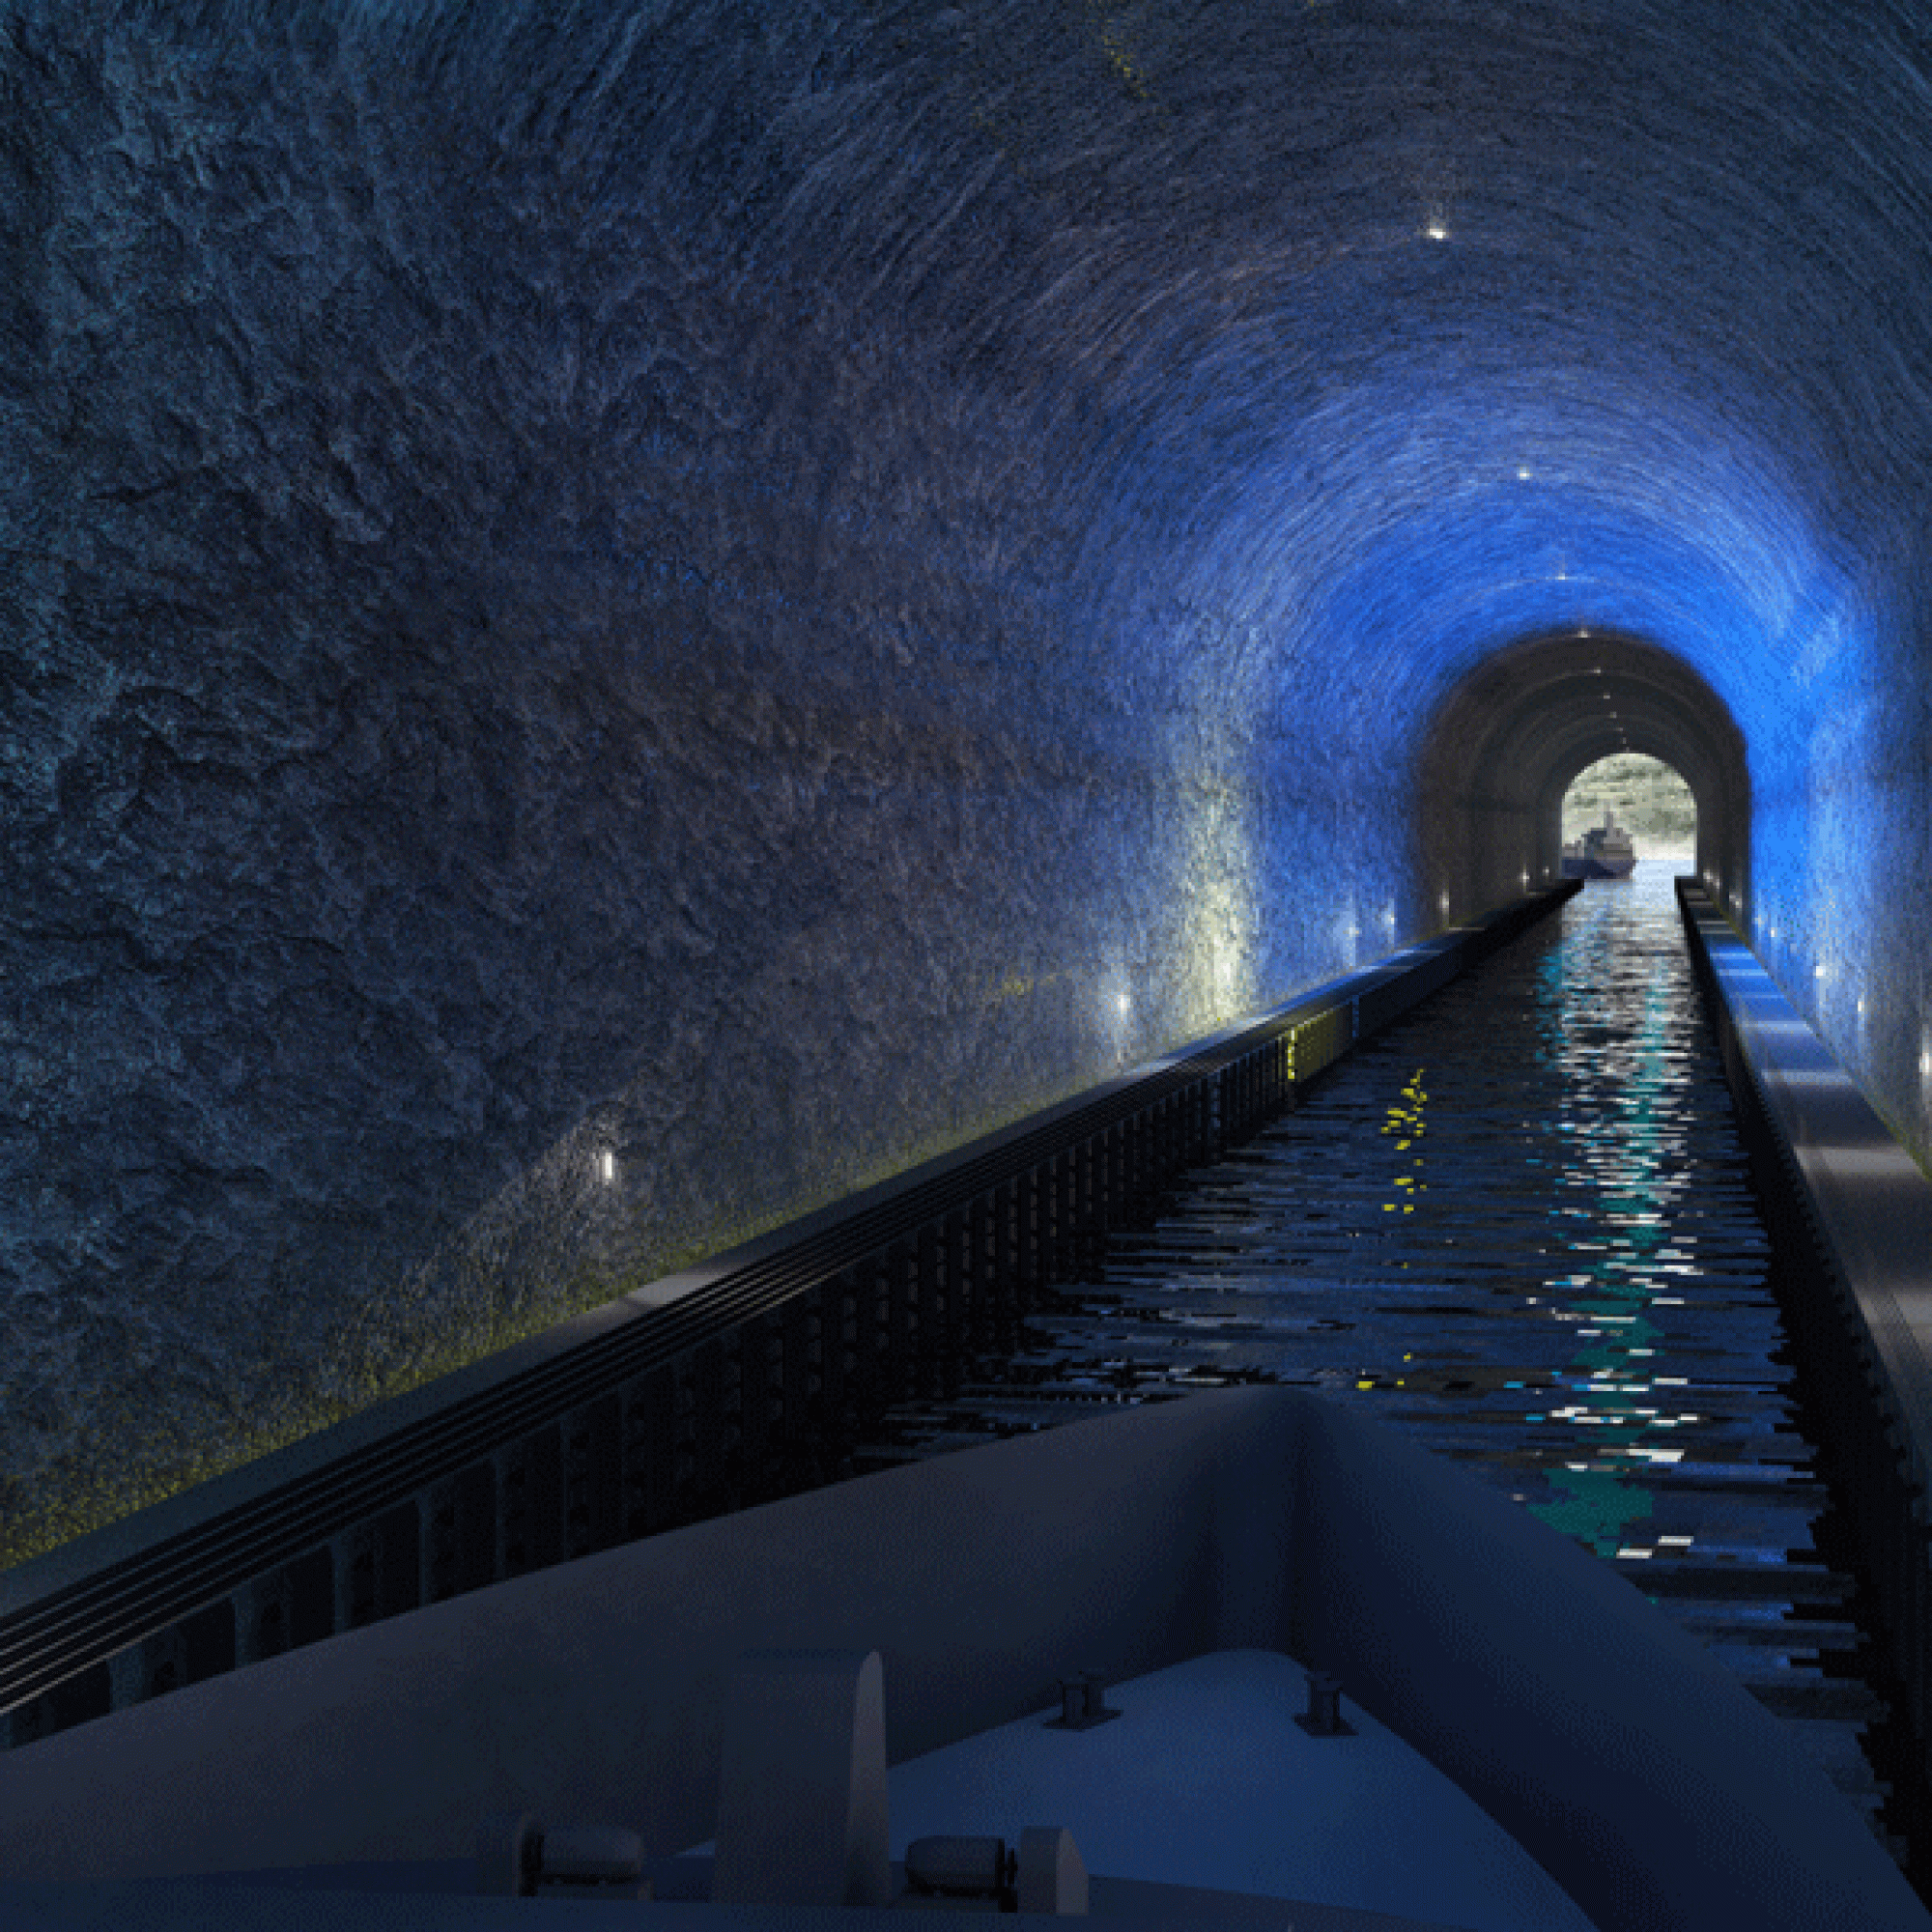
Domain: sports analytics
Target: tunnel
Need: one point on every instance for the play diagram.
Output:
(620, 620)
(1500, 755)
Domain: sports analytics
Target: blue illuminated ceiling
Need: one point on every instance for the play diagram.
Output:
(1398, 333)
(1394, 336)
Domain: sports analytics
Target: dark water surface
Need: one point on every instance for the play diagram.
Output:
(1520, 1224)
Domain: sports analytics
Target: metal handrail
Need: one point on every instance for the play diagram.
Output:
(54, 1633)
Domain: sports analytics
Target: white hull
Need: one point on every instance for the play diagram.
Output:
(1580, 1736)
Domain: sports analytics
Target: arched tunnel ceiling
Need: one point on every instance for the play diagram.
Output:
(1656, 373)
(1383, 333)
(1500, 751)
(1538, 712)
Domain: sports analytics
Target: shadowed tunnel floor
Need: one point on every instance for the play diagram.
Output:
(1518, 1224)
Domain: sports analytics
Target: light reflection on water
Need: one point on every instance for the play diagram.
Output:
(1518, 1223)
(1552, 1210)
(1607, 1015)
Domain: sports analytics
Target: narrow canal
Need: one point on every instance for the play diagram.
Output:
(1520, 1224)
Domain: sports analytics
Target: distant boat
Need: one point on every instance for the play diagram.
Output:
(1604, 852)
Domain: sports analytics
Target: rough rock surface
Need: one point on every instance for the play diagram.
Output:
(719, 585)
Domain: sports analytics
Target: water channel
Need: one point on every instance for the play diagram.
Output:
(1518, 1224)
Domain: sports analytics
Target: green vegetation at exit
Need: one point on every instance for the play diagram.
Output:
(1646, 795)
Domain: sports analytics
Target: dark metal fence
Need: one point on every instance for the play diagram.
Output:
(730, 1385)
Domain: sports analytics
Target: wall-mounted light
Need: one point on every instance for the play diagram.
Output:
(606, 1166)
(1126, 1004)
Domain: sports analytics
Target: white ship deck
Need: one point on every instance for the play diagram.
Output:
(1203, 1802)
(1566, 1758)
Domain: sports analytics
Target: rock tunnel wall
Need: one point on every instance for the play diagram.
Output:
(499, 676)
(617, 619)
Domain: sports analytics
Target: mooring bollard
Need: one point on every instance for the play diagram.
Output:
(516, 1857)
(1323, 1717)
(1083, 1703)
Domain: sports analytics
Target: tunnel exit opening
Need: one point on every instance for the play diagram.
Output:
(1623, 810)
(1508, 742)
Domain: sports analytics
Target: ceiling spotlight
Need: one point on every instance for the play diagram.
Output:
(1522, 474)
(1438, 231)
